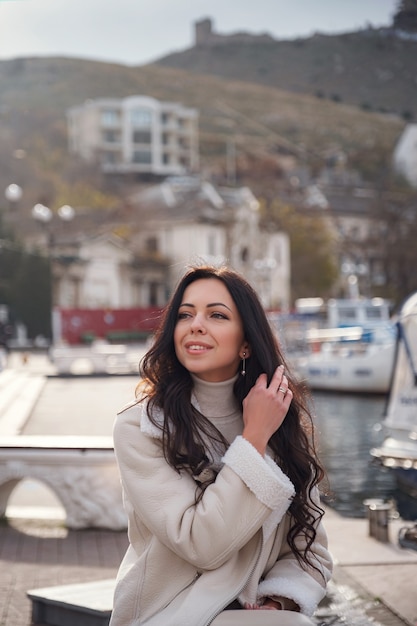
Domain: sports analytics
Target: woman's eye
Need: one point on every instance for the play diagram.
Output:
(220, 316)
(183, 315)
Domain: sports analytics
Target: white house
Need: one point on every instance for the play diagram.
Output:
(172, 225)
(97, 275)
(187, 221)
(405, 154)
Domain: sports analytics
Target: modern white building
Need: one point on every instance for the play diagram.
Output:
(135, 135)
(405, 154)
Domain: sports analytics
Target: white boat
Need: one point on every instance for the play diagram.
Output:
(354, 351)
(399, 448)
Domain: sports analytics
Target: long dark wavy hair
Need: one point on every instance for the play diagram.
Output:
(167, 385)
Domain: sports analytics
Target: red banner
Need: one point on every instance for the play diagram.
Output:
(77, 326)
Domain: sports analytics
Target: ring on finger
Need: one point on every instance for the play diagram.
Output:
(283, 390)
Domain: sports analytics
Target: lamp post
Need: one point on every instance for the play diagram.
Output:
(13, 194)
(44, 215)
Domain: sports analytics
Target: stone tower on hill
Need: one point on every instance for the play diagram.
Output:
(405, 18)
(205, 35)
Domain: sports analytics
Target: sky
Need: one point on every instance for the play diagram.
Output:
(135, 32)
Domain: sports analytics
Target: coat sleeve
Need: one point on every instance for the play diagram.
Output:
(289, 579)
(231, 511)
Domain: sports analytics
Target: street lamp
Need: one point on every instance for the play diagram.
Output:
(44, 215)
(13, 194)
(66, 213)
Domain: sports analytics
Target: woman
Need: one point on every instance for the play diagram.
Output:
(218, 470)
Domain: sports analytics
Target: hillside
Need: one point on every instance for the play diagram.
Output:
(372, 69)
(260, 121)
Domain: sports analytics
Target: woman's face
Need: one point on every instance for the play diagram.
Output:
(208, 337)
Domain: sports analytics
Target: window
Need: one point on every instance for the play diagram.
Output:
(141, 136)
(151, 244)
(348, 314)
(110, 117)
(142, 156)
(109, 157)
(153, 294)
(141, 117)
(244, 254)
(374, 313)
(110, 136)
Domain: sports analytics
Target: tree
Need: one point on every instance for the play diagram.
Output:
(32, 294)
(25, 287)
(394, 236)
(314, 269)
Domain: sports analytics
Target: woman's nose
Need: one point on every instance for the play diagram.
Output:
(197, 325)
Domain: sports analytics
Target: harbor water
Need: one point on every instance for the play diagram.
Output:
(347, 427)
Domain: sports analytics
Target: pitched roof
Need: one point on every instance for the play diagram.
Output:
(190, 198)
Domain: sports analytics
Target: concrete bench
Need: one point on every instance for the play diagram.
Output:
(100, 358)
(84, 604)
(90, 604)
(81, 471)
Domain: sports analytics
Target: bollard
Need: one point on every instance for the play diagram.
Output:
(379, 515)
(372, 502)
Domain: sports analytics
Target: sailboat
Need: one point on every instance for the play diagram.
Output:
(399, 448)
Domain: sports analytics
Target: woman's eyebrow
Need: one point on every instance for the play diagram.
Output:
(210, 305)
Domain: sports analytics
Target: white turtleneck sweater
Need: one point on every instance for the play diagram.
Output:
(217, 403)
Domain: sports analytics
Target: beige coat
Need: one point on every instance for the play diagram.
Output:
(186, 562)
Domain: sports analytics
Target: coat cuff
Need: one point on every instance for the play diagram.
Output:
(260, 474)
(304, 590)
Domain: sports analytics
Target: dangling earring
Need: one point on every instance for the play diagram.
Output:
(243, 371)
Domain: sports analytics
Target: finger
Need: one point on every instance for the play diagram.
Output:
(262, 380)
(287, 398)
(277, 377)
(283, 385)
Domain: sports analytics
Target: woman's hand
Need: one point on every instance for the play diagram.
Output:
(268, 605)
(273, 605)
(265, 408)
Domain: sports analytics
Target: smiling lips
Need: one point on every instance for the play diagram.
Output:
(197, 347)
